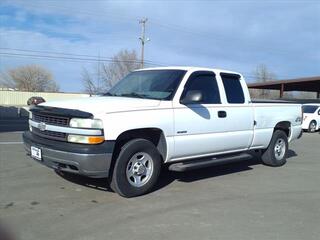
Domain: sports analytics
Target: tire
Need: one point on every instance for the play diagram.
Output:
(137, 168)
(312, 126)
(276, 153)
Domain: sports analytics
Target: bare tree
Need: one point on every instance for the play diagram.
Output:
(108, 74)
(29, 78)
(122, 63)
(262, 74)
(89, 82)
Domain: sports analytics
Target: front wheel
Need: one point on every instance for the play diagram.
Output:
(137, 168)
(276, 153)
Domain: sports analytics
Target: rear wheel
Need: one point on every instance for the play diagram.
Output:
(312, 126)
(276, 153)
(137, 168)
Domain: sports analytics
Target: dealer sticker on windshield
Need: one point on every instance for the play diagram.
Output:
(36, 153)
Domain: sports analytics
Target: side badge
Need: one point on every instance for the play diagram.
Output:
(181, 132)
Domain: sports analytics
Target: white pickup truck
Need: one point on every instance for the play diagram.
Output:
(180, 117)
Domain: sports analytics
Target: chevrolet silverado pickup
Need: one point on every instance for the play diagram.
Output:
(179, 117)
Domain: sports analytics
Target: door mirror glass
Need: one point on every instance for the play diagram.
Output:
(192, 97)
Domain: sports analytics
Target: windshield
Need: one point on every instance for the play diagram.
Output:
(309, 109)
(152, 84)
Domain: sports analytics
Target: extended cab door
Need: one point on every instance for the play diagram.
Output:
(211, 126)
(239, 122)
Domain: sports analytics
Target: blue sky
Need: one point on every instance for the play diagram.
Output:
(235, 35)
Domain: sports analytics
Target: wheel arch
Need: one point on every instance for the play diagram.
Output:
(154, 135)
(314, 120)
(284, 126)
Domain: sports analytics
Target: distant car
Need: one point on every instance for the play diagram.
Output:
(35, 100)
(311, 117)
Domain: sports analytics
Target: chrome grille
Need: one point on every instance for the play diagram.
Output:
(50, 134)
(52, 120)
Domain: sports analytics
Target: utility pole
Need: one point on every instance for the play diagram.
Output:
(143, 39)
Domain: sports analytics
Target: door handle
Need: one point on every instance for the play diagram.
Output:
(222, 114)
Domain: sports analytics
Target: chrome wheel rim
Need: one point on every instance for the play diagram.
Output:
(139, 169)
(280, 149)
(312, 127)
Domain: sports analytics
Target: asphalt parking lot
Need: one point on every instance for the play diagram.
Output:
(245, 200)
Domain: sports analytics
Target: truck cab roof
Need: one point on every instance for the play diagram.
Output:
(189, 68)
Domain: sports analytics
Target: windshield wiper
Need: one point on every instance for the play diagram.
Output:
(109, 94)
(133, 94)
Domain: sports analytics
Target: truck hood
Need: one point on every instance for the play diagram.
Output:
(108, 104)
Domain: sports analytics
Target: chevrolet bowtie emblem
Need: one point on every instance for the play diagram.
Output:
(42, 126)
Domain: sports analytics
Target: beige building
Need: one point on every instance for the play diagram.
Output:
(20, 98)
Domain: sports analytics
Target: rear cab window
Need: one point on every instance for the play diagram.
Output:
(233, 88)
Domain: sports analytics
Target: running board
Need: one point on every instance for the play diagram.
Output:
(208, 162)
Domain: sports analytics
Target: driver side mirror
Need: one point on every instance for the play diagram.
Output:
(192, 97)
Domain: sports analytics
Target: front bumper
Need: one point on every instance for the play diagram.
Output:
(87, 160)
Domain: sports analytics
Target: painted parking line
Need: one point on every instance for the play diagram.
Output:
(9, 143)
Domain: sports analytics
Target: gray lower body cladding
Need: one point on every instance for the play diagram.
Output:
(87, 160)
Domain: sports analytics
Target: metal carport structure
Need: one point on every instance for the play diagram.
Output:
(308, 84)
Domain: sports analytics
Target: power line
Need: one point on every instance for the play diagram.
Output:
(50, 52)
(58, 53)
(76, 56)
(90, 58)
(56, 59)
(71, 58)
(247, 75)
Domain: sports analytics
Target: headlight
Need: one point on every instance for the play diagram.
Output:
(86, 123)
(30, 115)
(85, 139)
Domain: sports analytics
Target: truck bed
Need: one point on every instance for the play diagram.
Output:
(295, 101)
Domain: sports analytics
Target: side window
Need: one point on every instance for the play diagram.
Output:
(206, 83)
(233, 88)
